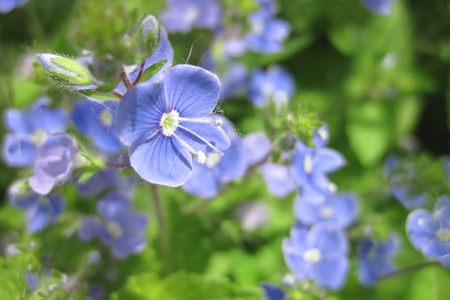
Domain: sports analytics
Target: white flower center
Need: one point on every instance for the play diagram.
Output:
(39, 136)
(312, 255)
(443, 234)
(307, 163)
(191, 15)
(326, 212)
(106, 118)
(114, 229)
(280, 97)
(212, 160)
(169, 122)
(257, 27)
(323, 133)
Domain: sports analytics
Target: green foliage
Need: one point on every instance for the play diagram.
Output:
(184, 286)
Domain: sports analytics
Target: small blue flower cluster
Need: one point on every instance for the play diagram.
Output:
(318, 247)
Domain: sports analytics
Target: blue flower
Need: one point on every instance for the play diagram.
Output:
(54, 163)
(8, 5)
(96, 121)
(183, 15)
(165, 121)
(267, 35)
(207, 178)
(278, 179)
(447, 166)
(121, 228)
(258, 147)
(29, 130)
(430, 232)
(274, 85)
(380, 7)
(106, 180)
(407, 198)
(374, 258)
(309, 166)
(41, 209)
(318, 254)
(272, 292)
(338, 209)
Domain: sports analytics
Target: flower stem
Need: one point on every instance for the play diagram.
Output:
(164, 234)
(141, 70)
(411, 268)
(125, 79)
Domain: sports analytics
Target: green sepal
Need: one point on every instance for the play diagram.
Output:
(99, 95)
(152, 70)
(83, 76)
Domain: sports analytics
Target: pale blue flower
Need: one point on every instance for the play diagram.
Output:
(380, 7)
(319, 254)
(120, 228)
(375, 258)
(309, 166)
(183, 15)
(339, 209)
(8, 5)
(276, 84)
(430, 232)
(165, 121)
(96, 121)
(40, 209)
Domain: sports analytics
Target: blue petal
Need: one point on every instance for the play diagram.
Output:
(380, 7)
(330, 272)
(345, 206)
(133, 222)
(85, 116)
(100, 181)
(278, 179)
(272, 292)
(420, 227)
(140, 111)
(204, 130)
(25, 202)
(321, 136)
(19, 151)
(19, 121)
(50, 120)
(90, 228)
(108, 140)
(258, 146)
(55, 205)
(38, 219)
(162, 160)
(112, 206)
(203, 182)
(191, 91)
(295, 261)
(327, 160)
(233, 164)
(125, 246)
(328, 239)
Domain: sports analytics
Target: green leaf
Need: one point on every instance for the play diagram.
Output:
(152, 70)
(99, 95)
(369, 132)
(184, 286)
(86, 176)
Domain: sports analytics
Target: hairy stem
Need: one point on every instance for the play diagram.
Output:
(164, 234)
(125, 79)
(138, 77)
(408, 269)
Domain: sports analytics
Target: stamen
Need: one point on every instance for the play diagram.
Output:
(202, 139)
(201, 157)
